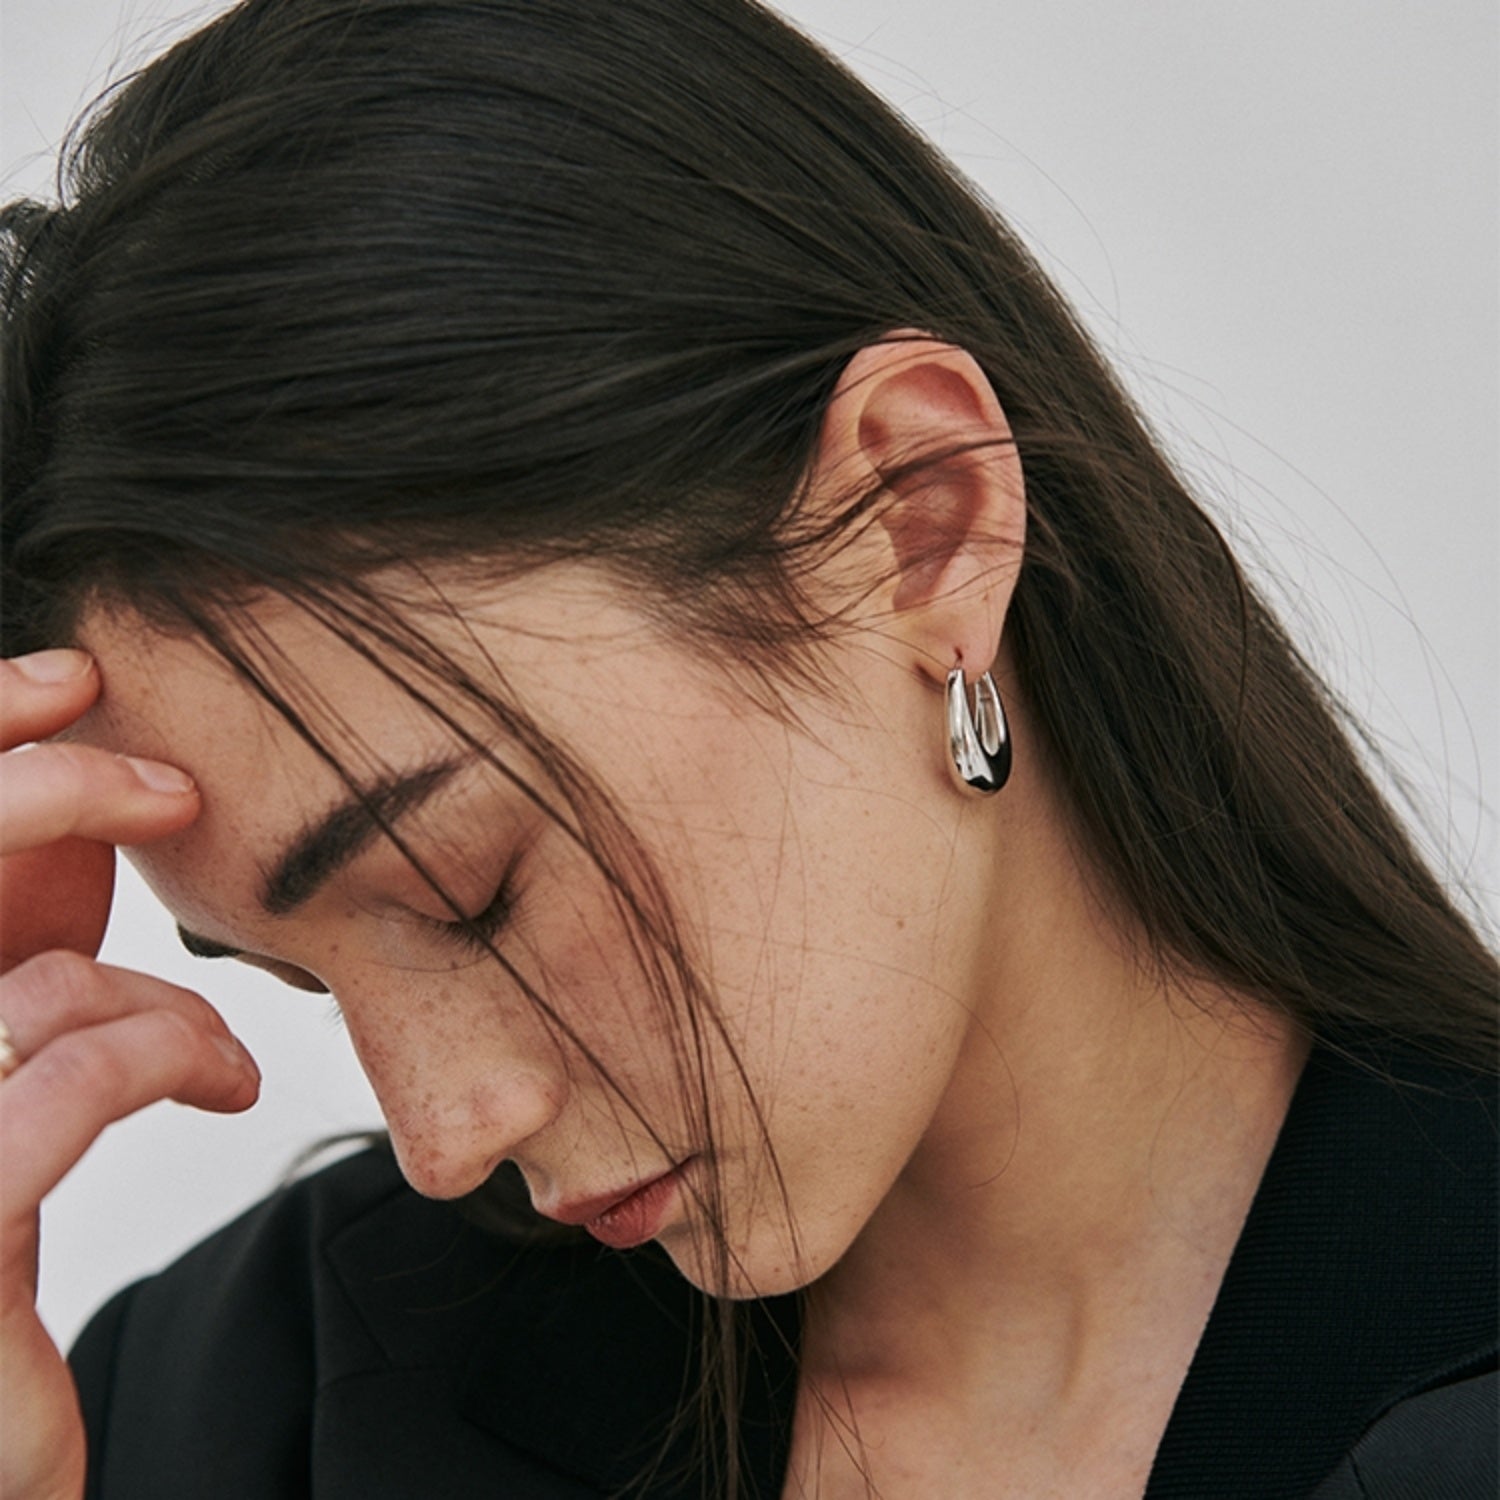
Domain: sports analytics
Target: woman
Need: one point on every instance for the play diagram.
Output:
(664, 615)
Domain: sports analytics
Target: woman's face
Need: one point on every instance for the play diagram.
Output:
(809, 865)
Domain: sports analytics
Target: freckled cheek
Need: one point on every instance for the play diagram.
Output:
(578, 957)
(420, 1039)
(463, 1072)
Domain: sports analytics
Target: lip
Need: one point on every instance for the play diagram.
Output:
(627, 1217)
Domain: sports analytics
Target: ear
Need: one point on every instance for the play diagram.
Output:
(920, 419)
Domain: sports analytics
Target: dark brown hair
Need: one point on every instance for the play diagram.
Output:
(336, 284)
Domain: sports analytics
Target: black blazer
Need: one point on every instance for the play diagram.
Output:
(348, 1340)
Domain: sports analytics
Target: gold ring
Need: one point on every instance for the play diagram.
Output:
(10, 1059)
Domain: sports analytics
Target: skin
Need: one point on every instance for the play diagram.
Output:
(98, 1043)
(1015, 1163)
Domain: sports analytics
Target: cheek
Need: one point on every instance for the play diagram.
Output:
(618, 1001)
(862, 1077)
(828, 957)
(848, 1081)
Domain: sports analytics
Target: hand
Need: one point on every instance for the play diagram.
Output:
(94, 1043)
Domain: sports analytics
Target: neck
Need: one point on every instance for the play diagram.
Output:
(1079, 1192)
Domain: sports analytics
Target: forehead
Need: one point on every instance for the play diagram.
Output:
(173, 697)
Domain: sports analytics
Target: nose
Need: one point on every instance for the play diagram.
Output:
(456, 1098)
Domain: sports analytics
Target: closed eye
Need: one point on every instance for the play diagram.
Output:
(202, 947)
(299, 979)
(474, 935)
(477, 934)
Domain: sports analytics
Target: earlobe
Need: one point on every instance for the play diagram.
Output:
(920, 418)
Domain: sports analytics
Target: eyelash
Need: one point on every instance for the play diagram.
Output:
(477, 934)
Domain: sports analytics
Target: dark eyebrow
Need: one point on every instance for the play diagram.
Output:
(323, 849)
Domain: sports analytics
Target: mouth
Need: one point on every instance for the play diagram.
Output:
(628, 1218)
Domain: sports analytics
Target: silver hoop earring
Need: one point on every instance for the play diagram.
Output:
(980, 741)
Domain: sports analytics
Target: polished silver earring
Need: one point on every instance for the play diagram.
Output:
(980, 741)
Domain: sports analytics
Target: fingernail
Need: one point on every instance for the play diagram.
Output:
(52, 668)
(235, 1054)
(158, 776)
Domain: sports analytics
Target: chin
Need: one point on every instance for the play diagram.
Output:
(758, 1265)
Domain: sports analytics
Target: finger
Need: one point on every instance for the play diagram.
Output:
(55, 1104)
(44, 692)
(55, 993)
(50, 792)
(57, 896)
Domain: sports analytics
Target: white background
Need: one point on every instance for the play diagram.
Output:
(1281, 218)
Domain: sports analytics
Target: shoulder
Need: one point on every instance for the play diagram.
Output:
(1365, 1280)
(1431, 1154)
(347, 1337)
(1445, 1442)
(1408, 1255)
(226, 1339)
(268, 1251)
(1384, 1177)
(253, 1288)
